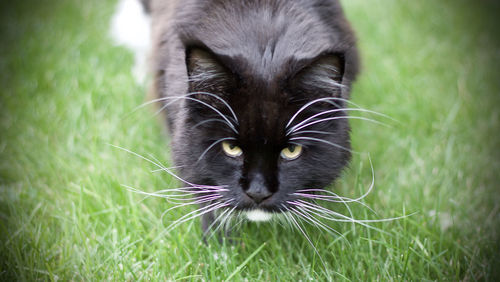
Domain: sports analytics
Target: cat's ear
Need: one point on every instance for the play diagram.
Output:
(204, 70)
(322, 77)
(209, 83)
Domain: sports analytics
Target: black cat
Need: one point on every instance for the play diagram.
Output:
(255, 93)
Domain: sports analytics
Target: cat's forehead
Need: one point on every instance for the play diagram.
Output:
(265, 36)
(263, 122)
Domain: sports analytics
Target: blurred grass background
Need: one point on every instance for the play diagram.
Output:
(67, 92)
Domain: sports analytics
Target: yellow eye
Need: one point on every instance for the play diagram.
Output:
(291, 152)
(231, 149)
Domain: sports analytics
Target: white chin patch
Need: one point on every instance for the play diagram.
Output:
(258, 215)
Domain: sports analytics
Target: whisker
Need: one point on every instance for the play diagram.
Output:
(200, 186)
(311, 132)
(193, 190)
(227, 121)
(215, 221)
(204, 210)
(180, 202)
(322, 215)
(186, 97)
(293, 128)
(162, 193)
(201, 208)
(238, 216)
(370, 188)
(349, 210)
(186, 218)
(220, 99)
(226, 220)
(213, 144)
(169, 168)
(332, 199)
(303, 193)
(292, 219)
(162, 99)
(303, 213)
(223, 216)
(158, 164)
(328, 100)
(178, 199)
(205, 199)
(320, 211)
(336, 118)
(207, 121)
(331, 100)
(324, 141)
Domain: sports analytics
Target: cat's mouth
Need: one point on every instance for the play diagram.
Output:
(258, 215)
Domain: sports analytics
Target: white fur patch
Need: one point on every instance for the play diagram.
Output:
(258, 215)
(131, 27)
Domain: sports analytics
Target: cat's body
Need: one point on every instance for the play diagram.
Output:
(249, 88)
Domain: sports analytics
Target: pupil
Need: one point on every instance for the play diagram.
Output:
(291, 148)
(231, 146)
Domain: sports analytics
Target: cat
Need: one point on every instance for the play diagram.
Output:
(256, 96)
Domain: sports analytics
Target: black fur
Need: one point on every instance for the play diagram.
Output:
(266, 52)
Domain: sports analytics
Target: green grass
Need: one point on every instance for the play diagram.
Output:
(66, 93)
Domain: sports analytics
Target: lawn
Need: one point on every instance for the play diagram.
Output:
(67, 93)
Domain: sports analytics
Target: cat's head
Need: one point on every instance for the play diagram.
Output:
(262, 114)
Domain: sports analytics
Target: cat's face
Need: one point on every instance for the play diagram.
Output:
(260, 86)
(264, 139)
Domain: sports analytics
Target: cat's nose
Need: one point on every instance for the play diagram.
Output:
(258, 192)
(259, 196)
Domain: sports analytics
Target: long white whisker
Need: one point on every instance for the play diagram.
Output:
(347, 200)
(320, 211)
(332, 199)
(225, 221)
(195, 202)
(213, 144)
(240, 219)
(312, 132)
(209, 120)
(184, 219)
(199, 186)
(156, 164)
(331, 100)
(328, 100)
(161, 194)
(303, 213)
(307, 237)
(175, 98)
(215, 221)
(192, 190)
(335, 118)
(187, 96)
(349, 210)
(324, 141)
(292, 129)
(223, 216)
(169, 168)
(220, 99)
(187, 202)
(203, 210)
(169, 171)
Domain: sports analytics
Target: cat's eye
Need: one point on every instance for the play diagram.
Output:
(291, 152)
(231, 150)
